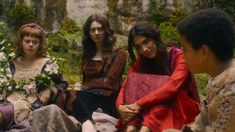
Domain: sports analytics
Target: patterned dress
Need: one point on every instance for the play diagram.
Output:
(17, 111)
(218, 109)
(170, 105)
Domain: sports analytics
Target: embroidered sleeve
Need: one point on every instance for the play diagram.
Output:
(225, 119)
(170, 88)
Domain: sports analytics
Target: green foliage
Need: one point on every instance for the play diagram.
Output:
(169, 32)
(177, 16)
(168, 29)
(201, 81)
(47, 24)
(66, 44)
(66, 38)
(71, 65)
(5, 44)
(19, 15)
(157, 16)
(167, 24)
(58, 43)
(226, 5)
(69, 25)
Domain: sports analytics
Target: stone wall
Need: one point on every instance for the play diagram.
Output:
(122, 14)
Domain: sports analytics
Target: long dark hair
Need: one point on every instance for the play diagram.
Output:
(158, 65)
(89, 47)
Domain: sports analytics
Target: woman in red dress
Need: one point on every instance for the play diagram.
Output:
(170, 103)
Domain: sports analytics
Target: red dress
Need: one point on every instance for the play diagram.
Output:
(173, 104)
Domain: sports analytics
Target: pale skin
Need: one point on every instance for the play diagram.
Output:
(30, 48)
(148, 48)
(97, 36)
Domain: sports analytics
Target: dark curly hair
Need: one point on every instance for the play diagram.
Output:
(89, 47)
(211, 27)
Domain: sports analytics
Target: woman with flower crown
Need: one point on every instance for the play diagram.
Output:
(36, 79)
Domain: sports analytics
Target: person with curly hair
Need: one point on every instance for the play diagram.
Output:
(208, 38)
(102, 68)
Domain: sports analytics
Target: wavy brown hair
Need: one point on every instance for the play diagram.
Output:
(33, 30)
(89, 47)
(158, 65)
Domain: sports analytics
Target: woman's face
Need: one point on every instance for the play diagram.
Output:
(30, 45)
(145, 46)
(97, 32)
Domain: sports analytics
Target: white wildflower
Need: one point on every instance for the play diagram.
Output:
(1, 70)
(3, 80)
(2, 42)
(8, 72)
(9, 88)
(52, 68)
(12, 54)
(31, 88)
(2, 56)
(2, 48)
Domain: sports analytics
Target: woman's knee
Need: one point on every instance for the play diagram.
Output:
(145, 129)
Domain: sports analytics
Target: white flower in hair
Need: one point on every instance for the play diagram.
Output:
(52, 68)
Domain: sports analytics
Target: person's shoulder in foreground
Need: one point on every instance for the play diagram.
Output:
(208, 38)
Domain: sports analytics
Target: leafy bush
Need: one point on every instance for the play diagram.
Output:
(167, 24)
(66, 44)
(201, 81)
(5, 44)
(157, 16)
(169, 32)
(68, 37)
(19, 15)
(226, 5)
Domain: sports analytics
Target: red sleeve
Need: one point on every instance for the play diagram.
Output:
(113, 76)
(120, 98)
(168, 90)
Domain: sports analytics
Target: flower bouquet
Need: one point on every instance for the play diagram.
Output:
(8, 85)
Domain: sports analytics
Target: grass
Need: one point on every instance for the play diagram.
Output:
(201, 81)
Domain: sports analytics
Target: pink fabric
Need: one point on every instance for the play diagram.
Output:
(171, 105)
(32, 25)
(140, 84)
(7, 111)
